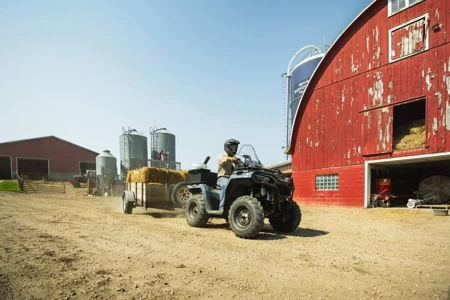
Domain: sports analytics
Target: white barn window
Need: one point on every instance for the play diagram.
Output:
(395, 6)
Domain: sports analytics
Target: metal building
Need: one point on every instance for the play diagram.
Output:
(47, 157)
(385, 79)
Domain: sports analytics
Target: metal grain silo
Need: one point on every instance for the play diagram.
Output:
(162, 140)
(106, 168)
(298, 76)
(133, 151)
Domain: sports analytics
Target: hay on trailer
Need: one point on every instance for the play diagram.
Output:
(157, 175)
(410, 136)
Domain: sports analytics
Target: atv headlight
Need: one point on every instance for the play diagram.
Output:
(261, 179)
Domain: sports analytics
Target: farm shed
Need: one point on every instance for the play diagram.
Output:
(377, 106)
(44, 157)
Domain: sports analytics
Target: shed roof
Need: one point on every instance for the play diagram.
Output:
(47, 137)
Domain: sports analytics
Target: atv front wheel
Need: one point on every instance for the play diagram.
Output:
(246, 217)
(196, 214)
(291, 222)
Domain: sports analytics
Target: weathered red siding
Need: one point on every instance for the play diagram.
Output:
(64, 157)
(346, 114)
(351, 187)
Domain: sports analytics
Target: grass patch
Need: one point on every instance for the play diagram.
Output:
(9, 186)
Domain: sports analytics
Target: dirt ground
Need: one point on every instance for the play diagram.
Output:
(69, 246)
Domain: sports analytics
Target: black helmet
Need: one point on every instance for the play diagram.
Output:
(228, 146)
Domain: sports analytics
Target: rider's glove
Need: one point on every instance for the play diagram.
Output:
(234, 160)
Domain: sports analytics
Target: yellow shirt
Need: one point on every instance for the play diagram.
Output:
(225, 168)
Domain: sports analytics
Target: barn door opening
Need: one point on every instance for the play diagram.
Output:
(84, 166)
(403, 176)
(33, 168)
(5, 167)
(409, 125)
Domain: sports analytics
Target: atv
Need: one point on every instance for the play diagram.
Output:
(253, 194)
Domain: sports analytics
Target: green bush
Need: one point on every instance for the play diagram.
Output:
(9, 186)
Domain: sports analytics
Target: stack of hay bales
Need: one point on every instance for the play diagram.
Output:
(410, 136)
(157, 175)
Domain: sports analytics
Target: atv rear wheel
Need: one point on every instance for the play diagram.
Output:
(246, 217)
(294, 216)
(180, 194)
(196, 214)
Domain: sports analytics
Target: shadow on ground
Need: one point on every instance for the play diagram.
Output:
(270, 234)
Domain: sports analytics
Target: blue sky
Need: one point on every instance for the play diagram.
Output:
(206, 70)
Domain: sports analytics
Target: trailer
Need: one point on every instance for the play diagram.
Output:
(154, 195)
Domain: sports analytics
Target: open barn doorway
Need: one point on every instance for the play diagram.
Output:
(33, 168)
(84, 166)
(409, 125)
(402, 176)
(5, 167)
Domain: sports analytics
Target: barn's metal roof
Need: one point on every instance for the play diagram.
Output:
(47, 137)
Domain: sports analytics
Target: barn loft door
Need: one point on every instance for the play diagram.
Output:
(377, 131)
(409, 38)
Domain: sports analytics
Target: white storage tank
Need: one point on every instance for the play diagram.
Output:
(106, 168)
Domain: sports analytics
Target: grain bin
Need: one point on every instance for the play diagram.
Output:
(106, 169)
(300, 69)
(133, 151)
(162, 140)
(300, 75)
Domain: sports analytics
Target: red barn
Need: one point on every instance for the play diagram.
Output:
(45, 157)
(377, 107)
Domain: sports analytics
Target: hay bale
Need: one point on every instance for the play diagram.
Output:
(417, 127)
(410, 136)
(157, 175)
(417, 130)
(131, 176)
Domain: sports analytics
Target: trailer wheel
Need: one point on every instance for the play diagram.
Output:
(128, 202)
(180, 194)
(76, 184)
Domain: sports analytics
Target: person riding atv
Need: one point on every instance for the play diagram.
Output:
(252, 194)
(226, 167)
